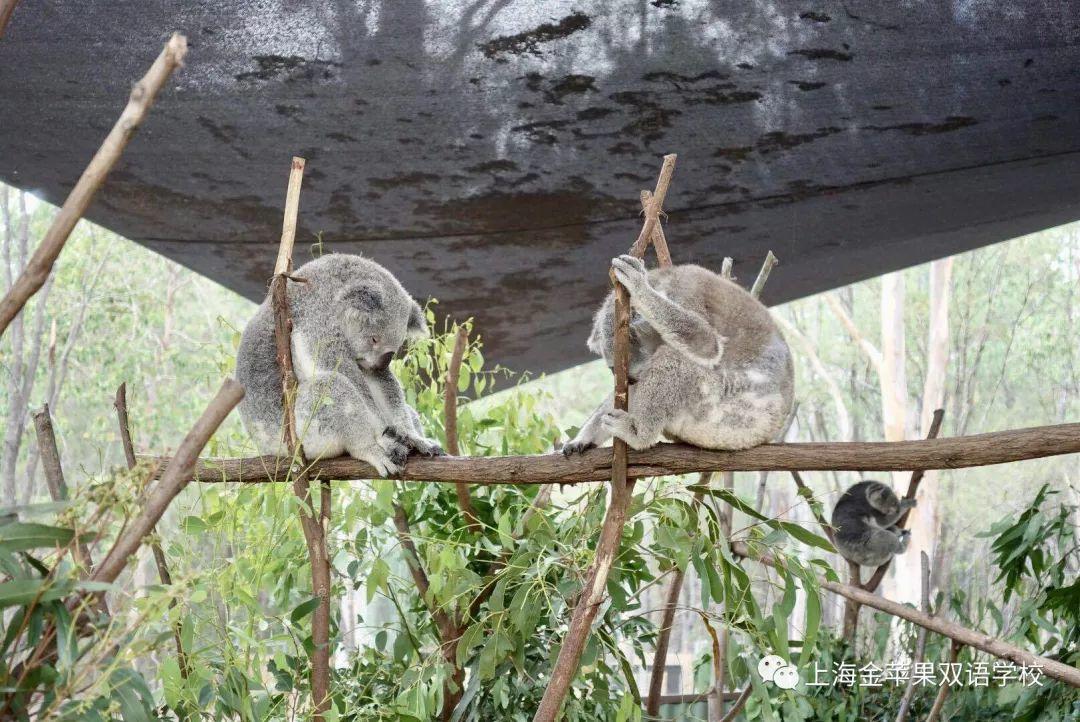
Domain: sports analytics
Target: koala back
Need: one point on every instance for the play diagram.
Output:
(861, 500)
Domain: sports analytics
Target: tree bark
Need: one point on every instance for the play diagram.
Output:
(595, 465)
(622, 487)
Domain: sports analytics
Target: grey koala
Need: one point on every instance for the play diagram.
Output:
(349, 319)
(707, 364)
(865, 519)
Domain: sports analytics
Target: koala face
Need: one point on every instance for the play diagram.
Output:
(884, 500)
(374, 323)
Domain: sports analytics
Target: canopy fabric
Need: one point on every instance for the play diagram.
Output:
(491, 152)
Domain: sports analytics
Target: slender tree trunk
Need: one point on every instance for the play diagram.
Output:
(924, 520)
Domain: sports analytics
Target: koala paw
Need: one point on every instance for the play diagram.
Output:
(577, 447)
(427, 447)
(630, 272)
(385, 465)
(624, 425)
(396, 453)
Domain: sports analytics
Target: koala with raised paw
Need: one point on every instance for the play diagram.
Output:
(350, 317)
(708, 366)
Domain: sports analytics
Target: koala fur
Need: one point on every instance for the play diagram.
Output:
(708, 365)
(349, 319)
(864, 518)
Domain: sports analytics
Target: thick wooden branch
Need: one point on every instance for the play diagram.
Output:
(142, 97)
(50, 455)
(972, 638)
(998, 447)
(622, 487)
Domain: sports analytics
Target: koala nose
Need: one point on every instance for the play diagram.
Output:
(384, 361)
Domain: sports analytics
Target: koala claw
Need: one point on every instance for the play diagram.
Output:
(429, 448)
(577, 447)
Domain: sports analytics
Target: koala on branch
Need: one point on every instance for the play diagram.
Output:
(708, 365)
(350, 318)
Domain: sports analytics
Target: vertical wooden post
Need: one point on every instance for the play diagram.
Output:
(315, 524)
(566, 666)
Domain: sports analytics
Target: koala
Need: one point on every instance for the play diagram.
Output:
(864, 518)
(708, 365)
(349, 319)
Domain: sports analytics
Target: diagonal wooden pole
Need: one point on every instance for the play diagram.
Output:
(142, 97)
(566, 666)
(315, 524)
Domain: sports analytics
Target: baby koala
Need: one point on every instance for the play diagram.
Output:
(708, 365)
(349, 319)
(865, 519)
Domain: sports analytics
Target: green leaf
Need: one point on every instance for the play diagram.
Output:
(303, 609)
(23, 591)
(20, 536)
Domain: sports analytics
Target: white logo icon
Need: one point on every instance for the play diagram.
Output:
(774, 669)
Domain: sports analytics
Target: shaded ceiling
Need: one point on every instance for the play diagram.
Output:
(490, 153)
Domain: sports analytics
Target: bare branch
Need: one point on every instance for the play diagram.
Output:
(622, 487)
(912, 491)
(725, 269)
(763, 275)
(943, 690)
(120, 404)
(659, 240)
(172, 482)
(595, 465)
(50, 455)
(868, 348)
(920, 644)
(7, 9)
(142, 97)
(314, 524)
(974, 639)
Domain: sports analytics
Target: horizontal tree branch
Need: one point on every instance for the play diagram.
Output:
(998, 447)
(972, 638)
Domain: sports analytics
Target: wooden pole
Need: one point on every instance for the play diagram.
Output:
(622, 487)
(453, 373)
(315, 524)
(972, 638)
(142, 97)
(7, 9)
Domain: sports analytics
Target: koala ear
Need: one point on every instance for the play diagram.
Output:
(363, 298)
(417, 328)
(596, 339)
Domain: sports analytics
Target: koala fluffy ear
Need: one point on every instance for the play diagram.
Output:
(362, 298)
(417, 328)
